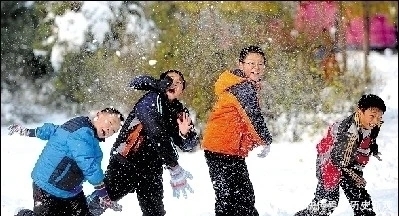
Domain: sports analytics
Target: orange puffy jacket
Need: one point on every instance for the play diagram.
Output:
(235, 125)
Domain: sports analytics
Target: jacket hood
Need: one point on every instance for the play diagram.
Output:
(228, 79)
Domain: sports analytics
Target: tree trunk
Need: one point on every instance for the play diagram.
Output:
(341, 36)
(366, 41)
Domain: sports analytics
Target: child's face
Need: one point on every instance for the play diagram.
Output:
(370, 118)
(107, 124)
(253, 66)
(176, 89)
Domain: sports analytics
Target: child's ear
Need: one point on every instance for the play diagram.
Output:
(96, 116)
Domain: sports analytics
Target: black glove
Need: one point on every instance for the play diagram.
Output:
(374, 148)
(374, 132)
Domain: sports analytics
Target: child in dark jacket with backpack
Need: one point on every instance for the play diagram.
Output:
(341, 156)
(157, 124)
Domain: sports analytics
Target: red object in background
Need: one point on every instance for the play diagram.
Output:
(313, 16)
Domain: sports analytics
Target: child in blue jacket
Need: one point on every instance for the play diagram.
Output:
(71, 156)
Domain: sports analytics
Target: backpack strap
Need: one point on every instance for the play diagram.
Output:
(124, 132)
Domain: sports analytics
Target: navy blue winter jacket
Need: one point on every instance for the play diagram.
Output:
(158, 117)
(71, 156)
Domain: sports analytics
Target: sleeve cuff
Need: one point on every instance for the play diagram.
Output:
(99, 186)
(172, 165)
(182, 136)
(31, 133)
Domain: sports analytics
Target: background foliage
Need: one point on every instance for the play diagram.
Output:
(201, 39)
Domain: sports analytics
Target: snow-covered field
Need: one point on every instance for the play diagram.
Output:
(284, 181)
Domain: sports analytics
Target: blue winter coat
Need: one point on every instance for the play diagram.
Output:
(71, 156)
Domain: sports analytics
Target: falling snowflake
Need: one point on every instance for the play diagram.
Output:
(152, 62)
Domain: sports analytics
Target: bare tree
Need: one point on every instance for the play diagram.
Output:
(366, 41)
(341, 35)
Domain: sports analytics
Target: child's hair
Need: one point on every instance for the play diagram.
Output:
(251, 49)
(164, 74)
(112, 110)
(371, 101)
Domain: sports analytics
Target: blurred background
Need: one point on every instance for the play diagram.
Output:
(75, 57)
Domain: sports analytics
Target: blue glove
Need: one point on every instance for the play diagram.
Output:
(104, 200)
(265, 151)
(178, 181)
(18, 129)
